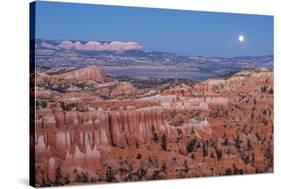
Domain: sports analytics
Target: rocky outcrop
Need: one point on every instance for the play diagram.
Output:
(257, 81)
(248, 81)
(179, 90)
(123, 89)
(85, 73)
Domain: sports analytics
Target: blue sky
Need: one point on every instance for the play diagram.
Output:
(177, 31)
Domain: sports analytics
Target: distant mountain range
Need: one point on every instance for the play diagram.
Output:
(88, 45)
(130, 59)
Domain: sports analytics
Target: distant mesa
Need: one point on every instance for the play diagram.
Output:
(89, 45)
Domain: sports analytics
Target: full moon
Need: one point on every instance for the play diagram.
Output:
(241, 38)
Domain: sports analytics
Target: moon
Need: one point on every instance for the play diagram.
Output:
(241, 38)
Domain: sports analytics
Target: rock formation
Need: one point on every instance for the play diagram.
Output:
(86, 73)
(106, 130)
